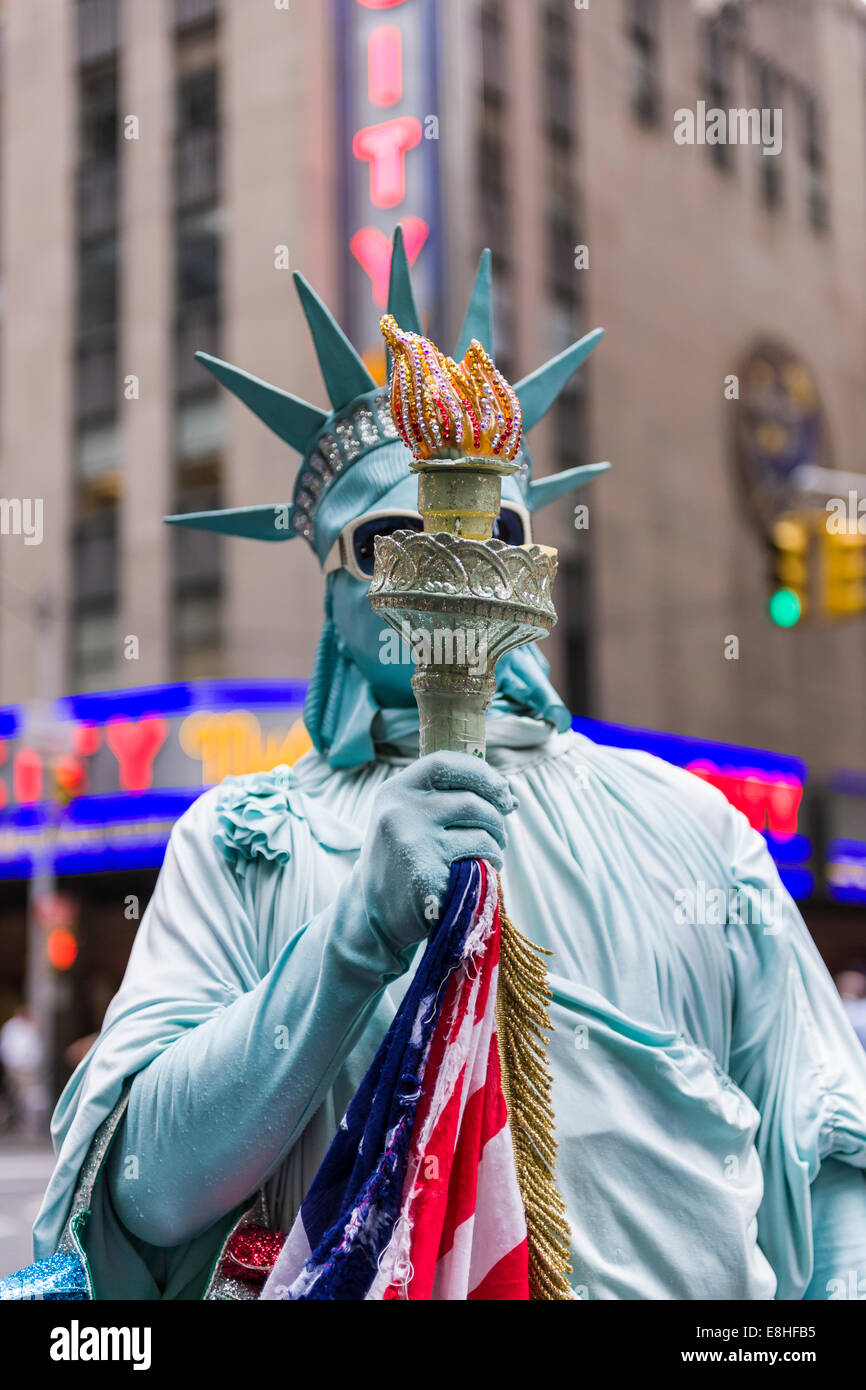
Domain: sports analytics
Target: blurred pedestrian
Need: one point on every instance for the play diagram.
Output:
(21, 1055)
(851, 984)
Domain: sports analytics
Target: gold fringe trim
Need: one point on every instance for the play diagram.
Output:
(522, 1025)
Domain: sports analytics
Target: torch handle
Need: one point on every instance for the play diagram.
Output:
(452, 721)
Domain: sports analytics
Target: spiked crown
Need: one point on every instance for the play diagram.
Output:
(347, 441)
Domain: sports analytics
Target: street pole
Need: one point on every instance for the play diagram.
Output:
(40, 991)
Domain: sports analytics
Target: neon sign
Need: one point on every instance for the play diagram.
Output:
(141, 757)
(846, 871)
(769, 801)
(137, 760)
(232, 744)
(388, 154)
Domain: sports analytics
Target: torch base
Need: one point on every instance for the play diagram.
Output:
(452, 718)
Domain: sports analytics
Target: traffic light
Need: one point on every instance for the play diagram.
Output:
(843, 573)
(61, 948)
(57, 915)
(789, 601)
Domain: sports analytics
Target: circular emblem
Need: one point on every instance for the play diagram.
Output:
(779, 428)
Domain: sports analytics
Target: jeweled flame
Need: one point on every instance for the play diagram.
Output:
(445, 409)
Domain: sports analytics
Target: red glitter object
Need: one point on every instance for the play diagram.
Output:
(252, 1253)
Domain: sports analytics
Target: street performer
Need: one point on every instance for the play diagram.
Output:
(709, 1093)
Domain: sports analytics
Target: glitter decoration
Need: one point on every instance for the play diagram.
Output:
(251, 1253)
(348, 441)
(246, 1257)
(365, 427)
(386, 419)
(59, 1278)
(233, 1291)
(330, 448)
(64, 1275)
(445, 409)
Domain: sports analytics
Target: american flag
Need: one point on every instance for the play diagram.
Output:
(417, 1197)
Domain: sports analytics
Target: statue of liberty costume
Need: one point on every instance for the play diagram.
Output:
(709, 1092)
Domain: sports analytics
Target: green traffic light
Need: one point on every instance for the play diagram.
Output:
(785, 608)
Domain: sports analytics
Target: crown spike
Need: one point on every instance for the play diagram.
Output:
(272, 522)
(343, 371)
(549, 489)
(401, 300)
(539, 390)
(294, 420)
(478, 322)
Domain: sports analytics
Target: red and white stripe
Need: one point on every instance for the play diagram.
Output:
(462, 1232)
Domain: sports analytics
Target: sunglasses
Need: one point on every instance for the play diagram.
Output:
(354, 547)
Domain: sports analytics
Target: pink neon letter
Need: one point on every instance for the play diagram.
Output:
(384, 147)
(135, 744)
(385, 65)
(372, 250)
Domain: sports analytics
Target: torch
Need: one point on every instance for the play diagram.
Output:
(467, 598)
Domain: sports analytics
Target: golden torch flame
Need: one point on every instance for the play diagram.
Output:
(443, 409)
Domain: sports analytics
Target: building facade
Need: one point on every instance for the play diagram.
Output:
(164, 167)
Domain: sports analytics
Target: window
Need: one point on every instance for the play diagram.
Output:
(493, 203)
(493, 53)
(97, 285)
(98, 24)
(97, 455)
(95, 557)
(644, 54)
(93, 648)
(769, 83)
(197, 555)
(557, 75)
(503, 321)
(198, 257)
(98, 114)
(199, 431)
(97, 152)
(575, 606)
(491, 158)
(197, 636)
(93, 627)
(197, 105)
(196, 169)
(569, 425)
(194, 11)
(563, 278)
(96, 380)
(813, 160)
(197, 568)
(198, 427)
(717, 81)
(93, 642)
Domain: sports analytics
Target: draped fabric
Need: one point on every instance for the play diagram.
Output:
(417, 1196)
(709, 1092)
